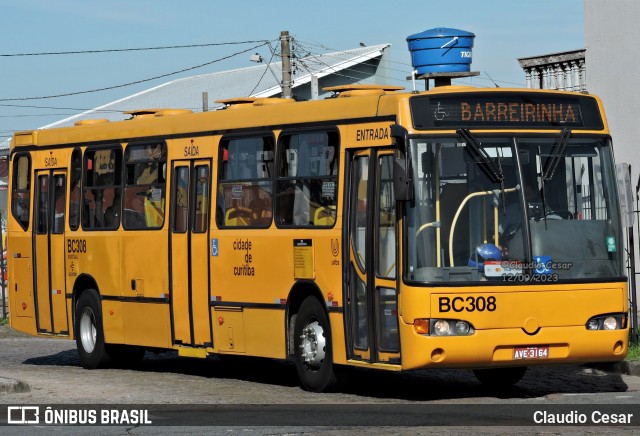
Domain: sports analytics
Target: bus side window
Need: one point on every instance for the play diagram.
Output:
(59, 200)
(21, 190)
(144, 191)
(102, 184)
(202, 199)
(245, 186)
(75, 189)
(308, 180)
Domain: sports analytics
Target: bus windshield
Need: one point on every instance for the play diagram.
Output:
(499, 208)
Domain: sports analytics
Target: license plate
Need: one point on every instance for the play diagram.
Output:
(530, 353)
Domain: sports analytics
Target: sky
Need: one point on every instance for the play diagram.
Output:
(505, 31)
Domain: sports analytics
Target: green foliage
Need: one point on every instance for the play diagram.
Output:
(634, 353)
(4, 321)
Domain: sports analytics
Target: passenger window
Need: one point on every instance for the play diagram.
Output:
(308, 178)
(102, 188)
(202, 199)
(245, 188)
(386, 219)
(21, 190)
(42, 205)
(75, 190)
(181, 199)
(144, 191)
(59, 200)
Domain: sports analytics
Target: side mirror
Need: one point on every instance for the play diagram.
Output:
(402, 174)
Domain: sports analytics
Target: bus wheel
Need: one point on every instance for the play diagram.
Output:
(314, 360)
(500, 377)
(89, 334)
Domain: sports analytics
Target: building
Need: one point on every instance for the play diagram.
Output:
(565, 71)
(613, 59)
(607, 67)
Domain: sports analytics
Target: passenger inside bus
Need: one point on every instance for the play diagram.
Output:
(152, 172)
(147, 173)
(101, 177)
(74, 200)
(112, 214)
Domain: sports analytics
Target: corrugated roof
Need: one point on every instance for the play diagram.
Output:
(186, 93)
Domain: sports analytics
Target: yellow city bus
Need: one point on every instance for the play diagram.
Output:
(451, 228)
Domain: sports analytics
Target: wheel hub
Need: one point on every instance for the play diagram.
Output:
(312, 348)
(88, 330)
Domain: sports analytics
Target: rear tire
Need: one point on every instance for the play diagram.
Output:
(88, 330)
(500, 377)
(313, 350)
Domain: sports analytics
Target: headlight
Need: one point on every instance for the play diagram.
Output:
(443, 327)
(610, 323)
(593, 324)
(607, 322)
(462, 328)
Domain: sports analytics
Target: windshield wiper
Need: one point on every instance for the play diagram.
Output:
(557, 151)
(480, 155)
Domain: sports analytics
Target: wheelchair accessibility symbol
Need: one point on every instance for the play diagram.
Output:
(439, 113)
(214, 247)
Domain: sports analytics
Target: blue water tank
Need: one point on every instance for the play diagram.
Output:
(441, 50)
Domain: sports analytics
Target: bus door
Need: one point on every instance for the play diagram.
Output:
(189, 253)
(372, 304)
(49, 252)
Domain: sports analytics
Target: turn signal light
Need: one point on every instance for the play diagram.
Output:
(421, 326)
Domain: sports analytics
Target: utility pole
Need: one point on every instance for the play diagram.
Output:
(286, 63)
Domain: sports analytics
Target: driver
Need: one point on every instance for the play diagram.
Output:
(510, 220)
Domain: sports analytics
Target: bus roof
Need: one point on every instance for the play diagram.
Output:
(352, 103)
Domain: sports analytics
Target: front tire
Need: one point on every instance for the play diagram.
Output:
(500, 377)
(313, 351)
(89, 333)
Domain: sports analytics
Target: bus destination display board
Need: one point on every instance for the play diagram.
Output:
(505, 110)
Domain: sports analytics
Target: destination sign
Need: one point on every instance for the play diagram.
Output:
(505, 110)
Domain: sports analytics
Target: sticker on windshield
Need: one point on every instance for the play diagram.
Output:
(542, 264)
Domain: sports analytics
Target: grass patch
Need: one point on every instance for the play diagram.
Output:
(634, 353)
(4, 321)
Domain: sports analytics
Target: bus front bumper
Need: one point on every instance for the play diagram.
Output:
(512, 347)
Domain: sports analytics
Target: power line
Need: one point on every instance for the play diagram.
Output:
(28, 106)
(115, 50)
(265, 71)
(107, 88)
